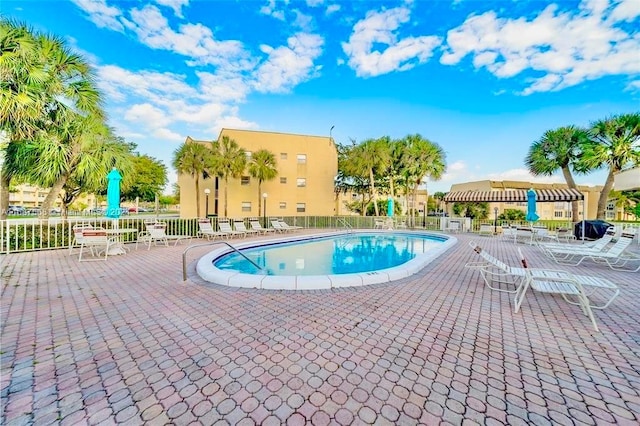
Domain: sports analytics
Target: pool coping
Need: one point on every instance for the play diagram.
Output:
(213, 275)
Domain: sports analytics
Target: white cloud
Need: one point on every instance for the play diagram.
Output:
(166, 134)
(567, 48)
(381, 28)
(270, 10)
(147, 115)
(314, 3)
(333, 8)
(100, 14)
(633, 86)
(176, 5)
(287, 66)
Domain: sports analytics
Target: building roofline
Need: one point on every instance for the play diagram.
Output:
(273, 132)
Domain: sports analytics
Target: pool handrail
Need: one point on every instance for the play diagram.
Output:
(184, 256)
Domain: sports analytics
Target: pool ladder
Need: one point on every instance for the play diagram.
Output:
(184, 256)
(345, 223)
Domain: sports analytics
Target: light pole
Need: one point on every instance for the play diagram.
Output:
(207, 191)
(264, 210)
(424, 214)
(495, 220)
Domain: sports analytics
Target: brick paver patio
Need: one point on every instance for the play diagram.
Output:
(126, 341)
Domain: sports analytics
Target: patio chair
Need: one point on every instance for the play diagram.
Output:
(76, 240)
(225, 226)
(524, 234)
(239, 225)
(157, 233)
(256, 226)
(494, 270)
(596, 245)
(453, 226)
(97, 241)
(486, 229)
(509, 233)
(206, 230)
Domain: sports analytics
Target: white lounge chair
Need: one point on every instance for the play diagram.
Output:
(275, 224)
(494, 270)
(206, 230)
(157, 233)
(614, 256)
(453, 226)
(239, 225)
(225, 226)
(256, 226)
(284, 225)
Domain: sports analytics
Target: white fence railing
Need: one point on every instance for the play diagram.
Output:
(20, 235)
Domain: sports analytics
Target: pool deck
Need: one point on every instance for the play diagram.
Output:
(127, 341)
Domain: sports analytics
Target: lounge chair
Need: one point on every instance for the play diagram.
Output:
(494, 270)
(157, 233)
(288, 227)
(239, 225)
(206, 230)
(255, 225)
(597, 245)
(615, 256)
(225, 226)
(453, 226)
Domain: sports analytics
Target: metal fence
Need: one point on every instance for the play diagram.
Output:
(21, 235)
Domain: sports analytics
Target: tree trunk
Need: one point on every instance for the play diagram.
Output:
(604, 196)
(198, 195)
(259, 198)
(226, 185)
(568, 177)
(5, 181)
(373, 192)
(45, 207)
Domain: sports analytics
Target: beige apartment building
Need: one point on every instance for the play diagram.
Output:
(557, 210)
(30, 196)
(304, 186)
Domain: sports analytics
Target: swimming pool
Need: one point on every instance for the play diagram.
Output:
(324, 261)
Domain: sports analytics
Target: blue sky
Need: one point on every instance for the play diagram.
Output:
(484, 79)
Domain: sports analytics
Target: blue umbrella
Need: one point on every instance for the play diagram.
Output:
(531, 206)
(390, 207)
(113, 194)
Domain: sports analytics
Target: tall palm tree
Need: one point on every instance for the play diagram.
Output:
(372, 157)
(41, 82)
(614, 143)
(558, 149)
(262, 166)
(422, 160)
(231, 160)
(195, 160)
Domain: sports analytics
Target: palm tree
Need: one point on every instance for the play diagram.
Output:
(422, 160)
(41, 83)
(262, 166)
(558, 149)
(372, 157)
(231, 162)
(613, 143)
(195, 160)
(83, 150)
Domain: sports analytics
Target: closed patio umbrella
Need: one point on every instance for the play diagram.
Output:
(389, 206)
(113, 194)
(531, 206)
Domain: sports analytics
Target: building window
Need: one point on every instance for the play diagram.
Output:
(557, 214)
(246, 206)
(283, 205)
(301, 207)
(302, 158)
(301, 182)
(244, 180)
(283, 180)
(283, 155)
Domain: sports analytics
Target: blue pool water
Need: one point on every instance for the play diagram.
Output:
(335, 255)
